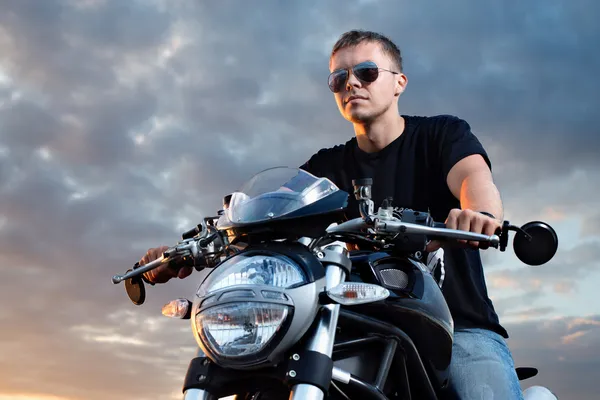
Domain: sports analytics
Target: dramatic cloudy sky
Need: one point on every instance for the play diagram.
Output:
(123, 122)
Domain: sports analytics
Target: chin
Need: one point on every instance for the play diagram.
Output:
(363, 115)
(359, 117)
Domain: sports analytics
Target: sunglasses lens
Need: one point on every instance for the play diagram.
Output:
(337, 80)
(367, 72)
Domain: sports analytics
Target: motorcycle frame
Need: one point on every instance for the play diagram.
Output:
(206, 380)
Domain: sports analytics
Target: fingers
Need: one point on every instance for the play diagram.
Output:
(472, 221)
(161, 274)
(153, 254)
(460, 220)
(452, 220)
(476, 226)
(490, 228)
(464, 224)
(184, 272)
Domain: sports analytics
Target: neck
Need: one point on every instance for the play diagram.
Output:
(376, 135)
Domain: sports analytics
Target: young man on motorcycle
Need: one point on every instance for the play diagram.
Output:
(424, 163)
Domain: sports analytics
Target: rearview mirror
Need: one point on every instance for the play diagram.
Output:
(135, 290)
(539, 247)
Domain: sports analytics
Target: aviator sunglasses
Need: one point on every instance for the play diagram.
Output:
(366, 71)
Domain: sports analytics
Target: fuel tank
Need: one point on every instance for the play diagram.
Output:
(416, 304)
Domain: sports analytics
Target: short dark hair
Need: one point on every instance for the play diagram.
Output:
(355, 37)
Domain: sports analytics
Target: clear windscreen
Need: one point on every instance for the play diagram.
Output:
(275, 192)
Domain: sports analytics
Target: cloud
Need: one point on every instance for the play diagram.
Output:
(573, 337)
(123, 124)
(142, 357)
(531, 313)
(529, 293)
(565, 271)
(558, 345)
(591, 226)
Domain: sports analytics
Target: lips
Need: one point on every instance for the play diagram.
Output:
(349, 99)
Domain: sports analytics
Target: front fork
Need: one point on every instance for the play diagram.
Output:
(323, 337)
(198, 394)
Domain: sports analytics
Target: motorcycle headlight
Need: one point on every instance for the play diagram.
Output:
(247, 304)
(234, 330)
(277, 271)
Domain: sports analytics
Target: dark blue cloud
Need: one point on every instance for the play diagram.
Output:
(246, 90)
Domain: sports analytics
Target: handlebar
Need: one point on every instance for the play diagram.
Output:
(410, 231)
(187, 252)
(191, 250)
(439, 230)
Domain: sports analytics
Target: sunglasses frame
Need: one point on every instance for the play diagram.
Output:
(353, 71)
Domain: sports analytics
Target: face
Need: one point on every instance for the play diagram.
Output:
(360, 101)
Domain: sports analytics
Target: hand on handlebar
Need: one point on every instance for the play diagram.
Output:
(165, 272)
(469, 221)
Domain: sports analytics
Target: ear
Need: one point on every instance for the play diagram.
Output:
(401, 82)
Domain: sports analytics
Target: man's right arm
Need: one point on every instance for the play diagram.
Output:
(163, 273)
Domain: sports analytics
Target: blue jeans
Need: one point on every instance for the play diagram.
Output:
(482, 367)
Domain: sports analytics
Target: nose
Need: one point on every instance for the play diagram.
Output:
(352, 81)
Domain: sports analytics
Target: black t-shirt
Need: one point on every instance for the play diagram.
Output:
(413, 170)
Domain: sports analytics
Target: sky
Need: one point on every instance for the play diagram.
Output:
(123, 123)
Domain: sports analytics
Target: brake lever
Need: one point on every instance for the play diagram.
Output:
(137, 270)
(184, 249)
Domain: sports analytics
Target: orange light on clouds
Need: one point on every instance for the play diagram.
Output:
(567, 339)
(5, 396)
(502, 282)
(553, 214)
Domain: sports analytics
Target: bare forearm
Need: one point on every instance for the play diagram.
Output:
(478, 192)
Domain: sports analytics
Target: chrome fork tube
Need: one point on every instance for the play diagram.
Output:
(197, 394)
(323, 337)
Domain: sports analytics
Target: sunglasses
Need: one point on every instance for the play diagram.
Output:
(366, 71)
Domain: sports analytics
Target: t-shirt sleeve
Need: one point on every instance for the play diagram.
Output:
(310, 166)
(457, 141)
(320, 164)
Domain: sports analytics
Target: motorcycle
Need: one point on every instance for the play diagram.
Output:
(289, 310)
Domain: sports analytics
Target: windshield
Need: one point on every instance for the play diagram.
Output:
(276, 192)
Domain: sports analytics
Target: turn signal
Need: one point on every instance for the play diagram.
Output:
(351, 293)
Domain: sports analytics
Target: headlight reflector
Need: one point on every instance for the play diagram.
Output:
(240, 329)
(267, 270)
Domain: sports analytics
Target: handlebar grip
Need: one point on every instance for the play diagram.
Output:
(142, 277)
(439, 225)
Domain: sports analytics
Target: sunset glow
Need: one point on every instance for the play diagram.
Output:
(122, 124)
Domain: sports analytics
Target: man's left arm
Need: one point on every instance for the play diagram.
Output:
(470, 181)
(467, 171)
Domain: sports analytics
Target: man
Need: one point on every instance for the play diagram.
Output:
(434, 164)
(424, 163)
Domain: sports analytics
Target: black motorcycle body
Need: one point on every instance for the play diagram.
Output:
(396, 346)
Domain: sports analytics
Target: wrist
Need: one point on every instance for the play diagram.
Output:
(487, 214)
